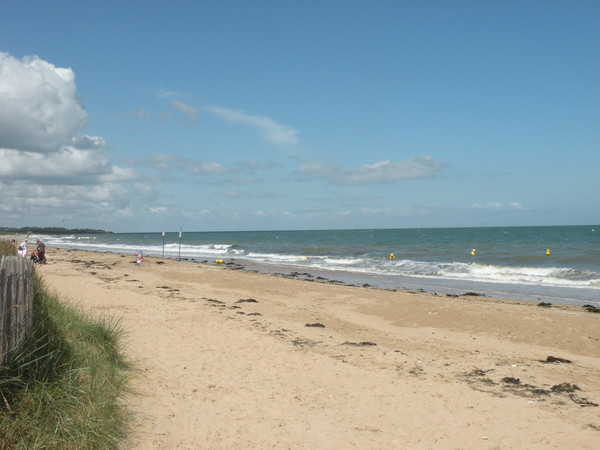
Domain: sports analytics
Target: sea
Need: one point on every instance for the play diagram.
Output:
(551, 264)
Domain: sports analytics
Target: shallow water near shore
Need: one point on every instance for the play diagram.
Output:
(551, 264)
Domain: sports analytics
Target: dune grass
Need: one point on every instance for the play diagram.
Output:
(6, 249)
(63, 388)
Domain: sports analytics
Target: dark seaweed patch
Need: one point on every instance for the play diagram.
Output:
(565, 387)
(360, 344)
(556, 360)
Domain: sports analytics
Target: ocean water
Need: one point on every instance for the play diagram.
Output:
(558, 264)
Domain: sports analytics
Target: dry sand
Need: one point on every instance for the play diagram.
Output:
(225, 359)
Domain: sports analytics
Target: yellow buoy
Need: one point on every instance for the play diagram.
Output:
(548, 252)
(392, 256)
(219, 261)
(473, 252)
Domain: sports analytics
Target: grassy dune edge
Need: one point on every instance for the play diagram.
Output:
(64, 387)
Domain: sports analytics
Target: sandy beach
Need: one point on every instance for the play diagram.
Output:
(231, 359)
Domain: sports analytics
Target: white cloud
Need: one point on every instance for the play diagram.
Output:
(141, 114)
(210, 168)
(248, 195)
(381, 171)
(85, 142)
(374, 211)
(49, 173)
(67, 166)
(40, 117)
(166, 163)
(190, 111)
(159, 209)
(497, 206)
(40, 108)
(46, 203)
(274, 132)
(162, 93)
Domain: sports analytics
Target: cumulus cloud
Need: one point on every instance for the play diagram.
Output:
(273, 131)
(40, 118)
(40, 108)
(47, 165)
(381, 171)
(66, 166)
(85, 202)
(85, 142)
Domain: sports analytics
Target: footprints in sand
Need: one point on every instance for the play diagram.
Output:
(98, 269)
(497, 381)
(168, 289)
(296, 338)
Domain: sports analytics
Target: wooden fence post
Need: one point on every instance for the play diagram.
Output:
(16, 302)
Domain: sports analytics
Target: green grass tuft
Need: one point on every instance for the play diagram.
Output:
(7, 249)
(63, 388)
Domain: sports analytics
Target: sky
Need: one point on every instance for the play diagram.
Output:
(283, 115)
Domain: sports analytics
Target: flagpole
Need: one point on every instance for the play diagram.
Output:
(179, 256)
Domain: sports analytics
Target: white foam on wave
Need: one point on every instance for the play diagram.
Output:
(543, 276)
(345, 262)
(170, 249)
(275, 258)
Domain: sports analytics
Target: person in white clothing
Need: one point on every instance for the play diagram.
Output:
(22, 251)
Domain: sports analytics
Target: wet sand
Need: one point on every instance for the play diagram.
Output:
(226, 358)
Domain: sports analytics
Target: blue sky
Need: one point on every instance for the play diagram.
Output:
(257, 115)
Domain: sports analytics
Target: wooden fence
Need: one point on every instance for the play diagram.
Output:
(16, 302)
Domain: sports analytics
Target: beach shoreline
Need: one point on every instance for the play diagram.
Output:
(432, 285)
(230, 358)
(538, 264)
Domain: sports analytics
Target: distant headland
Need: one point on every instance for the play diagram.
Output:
(51, 230)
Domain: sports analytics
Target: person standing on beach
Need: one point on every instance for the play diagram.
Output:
(23, 249)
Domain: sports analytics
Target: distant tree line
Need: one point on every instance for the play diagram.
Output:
(51, 230)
